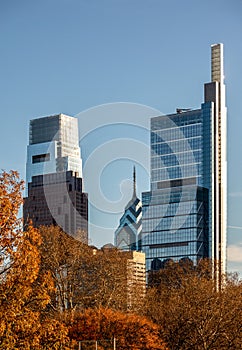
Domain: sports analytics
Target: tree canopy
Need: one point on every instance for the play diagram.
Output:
(129, 330)
(191, 312)
(24, 292)
(56, 291)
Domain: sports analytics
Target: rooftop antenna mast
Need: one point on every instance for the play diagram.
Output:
(134, 182)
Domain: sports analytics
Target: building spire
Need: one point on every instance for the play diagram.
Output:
(134, 182)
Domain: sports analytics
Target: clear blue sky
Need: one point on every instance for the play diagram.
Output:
(70, 55)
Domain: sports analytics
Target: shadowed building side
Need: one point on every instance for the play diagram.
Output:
(57, 199)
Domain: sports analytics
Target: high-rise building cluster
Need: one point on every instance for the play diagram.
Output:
(183, 216)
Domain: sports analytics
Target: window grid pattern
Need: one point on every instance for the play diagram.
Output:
(176, 219)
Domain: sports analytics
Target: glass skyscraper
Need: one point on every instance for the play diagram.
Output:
(184, 214)
(55, 193)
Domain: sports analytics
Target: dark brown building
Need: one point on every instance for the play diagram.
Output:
(58, 199)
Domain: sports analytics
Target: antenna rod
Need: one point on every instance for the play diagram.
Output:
(134, 182)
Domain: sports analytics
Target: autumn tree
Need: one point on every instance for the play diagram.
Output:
(84, 276)
(24, 292)
(106, 283)
(130, 331)
(192, 313)
(10, 225)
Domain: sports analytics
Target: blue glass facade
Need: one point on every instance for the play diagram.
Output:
(177, 210)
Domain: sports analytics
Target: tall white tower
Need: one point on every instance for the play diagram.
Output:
(215, 92)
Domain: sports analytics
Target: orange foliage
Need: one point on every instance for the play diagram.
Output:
(130, 331)
(10, 201)
(52, 334)
(29, 277)
(24, 293)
